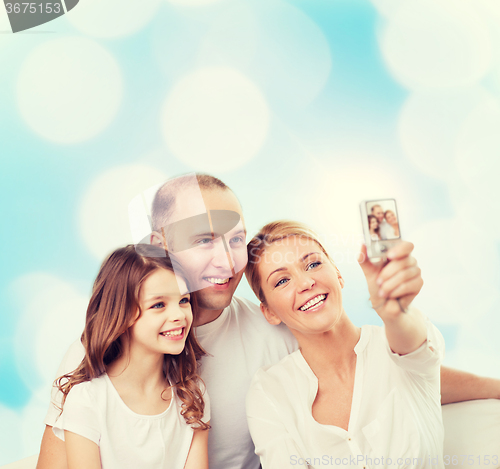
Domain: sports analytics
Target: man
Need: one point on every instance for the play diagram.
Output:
(200, 221)
(384, 228)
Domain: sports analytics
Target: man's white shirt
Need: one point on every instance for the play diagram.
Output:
(386, 231)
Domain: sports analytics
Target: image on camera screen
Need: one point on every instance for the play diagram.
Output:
(382, 219)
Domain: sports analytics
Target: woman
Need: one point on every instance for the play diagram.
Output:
(135, 400)
(390, 217)
(348, 395)
(373, 227)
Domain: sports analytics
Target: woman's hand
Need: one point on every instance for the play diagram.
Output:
(392, 288)
(400, 278)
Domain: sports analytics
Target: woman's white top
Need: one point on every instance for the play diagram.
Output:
(395, 412)
(127, 440)
(391, 233)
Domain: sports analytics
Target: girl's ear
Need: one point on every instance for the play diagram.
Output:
(269, 315)
(133, 320)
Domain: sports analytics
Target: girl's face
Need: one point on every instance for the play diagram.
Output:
(301, 285)
(373, 224)
(166, 315)
(391, 218)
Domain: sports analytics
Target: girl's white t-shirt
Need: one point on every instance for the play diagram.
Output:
(127, 440)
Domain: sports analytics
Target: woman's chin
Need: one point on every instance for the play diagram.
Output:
(324, 326)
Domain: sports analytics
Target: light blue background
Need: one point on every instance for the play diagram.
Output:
(305, 109)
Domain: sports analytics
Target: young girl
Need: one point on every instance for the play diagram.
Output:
(374, 228)
(135, 401)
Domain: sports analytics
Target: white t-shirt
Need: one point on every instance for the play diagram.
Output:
(127, 440)
(238, 342)
(395, 412)
(386, 231)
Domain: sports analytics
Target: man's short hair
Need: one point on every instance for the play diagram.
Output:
(164, 201)
(373, 207)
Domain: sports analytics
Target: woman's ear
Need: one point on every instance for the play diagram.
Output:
(341, 279)
(269, 315)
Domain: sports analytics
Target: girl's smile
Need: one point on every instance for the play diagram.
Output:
(174, 334)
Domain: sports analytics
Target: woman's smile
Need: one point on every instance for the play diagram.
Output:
(314, 303)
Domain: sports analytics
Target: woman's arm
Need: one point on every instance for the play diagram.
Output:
(52, 452)
(392, 288)
(198, 452)
(82, 453)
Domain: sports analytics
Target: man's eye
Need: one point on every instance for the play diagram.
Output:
(158, 305)
(184, 301)
(236, 239)
(281, 282)
(204, 241)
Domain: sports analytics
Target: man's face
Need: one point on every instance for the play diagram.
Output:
(379, 213)
(211, 250)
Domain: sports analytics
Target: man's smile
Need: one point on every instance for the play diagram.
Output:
(217, 280)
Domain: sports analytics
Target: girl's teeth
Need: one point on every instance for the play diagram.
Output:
(173, 333)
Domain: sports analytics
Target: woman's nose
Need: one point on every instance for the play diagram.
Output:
(305, 282)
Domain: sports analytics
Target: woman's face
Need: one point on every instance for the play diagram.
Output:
(302, 287)
(373, 224)
(391, 218)
(166, 315)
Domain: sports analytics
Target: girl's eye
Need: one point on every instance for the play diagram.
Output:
(313, 265)
(281, 282)
(184, 301)
(158, 305)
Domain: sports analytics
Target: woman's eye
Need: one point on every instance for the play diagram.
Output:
(313, 265)
(184, 301)
(158, 305)
(281, 282)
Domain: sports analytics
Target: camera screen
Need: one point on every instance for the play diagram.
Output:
(383, 219)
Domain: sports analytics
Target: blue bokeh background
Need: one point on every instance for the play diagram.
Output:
(304, 108)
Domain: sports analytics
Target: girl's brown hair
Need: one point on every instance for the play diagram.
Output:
(370, 218)
(113, 309)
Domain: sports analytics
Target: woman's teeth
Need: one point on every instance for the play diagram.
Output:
(313, 302)
(218, 281)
